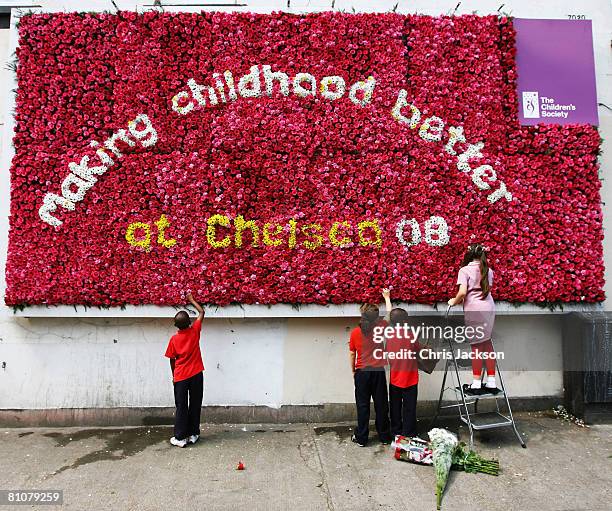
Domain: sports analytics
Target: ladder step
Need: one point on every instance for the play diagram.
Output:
(488, 420)
(488, 395)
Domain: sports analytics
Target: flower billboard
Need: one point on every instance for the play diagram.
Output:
(278, 158)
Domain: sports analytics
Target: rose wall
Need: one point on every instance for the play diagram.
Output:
(273, 159)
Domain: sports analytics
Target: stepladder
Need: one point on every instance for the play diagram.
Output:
(467, 404)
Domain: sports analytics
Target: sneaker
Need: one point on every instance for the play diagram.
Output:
(178, 443)
(193, 439)
(354, 440)
(491, 390)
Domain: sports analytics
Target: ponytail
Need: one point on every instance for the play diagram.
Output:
(477, 252)
(484, 275)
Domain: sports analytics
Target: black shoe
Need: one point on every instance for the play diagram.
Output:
(467, 389)
(354, 440)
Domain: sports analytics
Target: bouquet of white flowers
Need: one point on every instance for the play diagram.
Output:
(443, 444)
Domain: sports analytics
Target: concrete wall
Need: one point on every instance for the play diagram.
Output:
(105, 362)
(71, 363)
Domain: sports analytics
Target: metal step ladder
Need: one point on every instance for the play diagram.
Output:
(474, 419)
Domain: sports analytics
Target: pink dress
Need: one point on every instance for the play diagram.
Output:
(478, 312)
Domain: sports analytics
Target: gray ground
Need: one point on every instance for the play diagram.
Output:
(301, 466)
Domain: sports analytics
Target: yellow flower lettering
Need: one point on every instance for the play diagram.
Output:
(312, 245)
(333, 234)
(241, 225)
(211, 231)
(370, 224)
(268, 236)
(162, 224)
(130, 235)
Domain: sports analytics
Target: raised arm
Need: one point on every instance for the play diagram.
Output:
(197, 306)
(387, 296)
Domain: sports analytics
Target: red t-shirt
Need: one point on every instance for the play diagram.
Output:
(184, 347)
(404, 372)
(365, 347)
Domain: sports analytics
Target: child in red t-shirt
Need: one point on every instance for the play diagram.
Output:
(368, 366)
(402, 352)
(187, 368)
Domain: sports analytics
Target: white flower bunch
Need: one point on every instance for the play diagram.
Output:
(442, 438)
(82, 175)
(443, 444)
(435, 227)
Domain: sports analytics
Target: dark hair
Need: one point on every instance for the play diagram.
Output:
(398, 316)
(181, 320)
(369, 317)
(476, 252)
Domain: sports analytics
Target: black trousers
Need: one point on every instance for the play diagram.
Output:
(371, 384)
(402, 404)
(188, 400)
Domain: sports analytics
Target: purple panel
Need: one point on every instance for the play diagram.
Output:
(556, 72)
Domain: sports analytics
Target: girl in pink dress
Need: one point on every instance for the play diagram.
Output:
(475, 281)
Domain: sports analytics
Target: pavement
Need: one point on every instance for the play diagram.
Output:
(304, 467)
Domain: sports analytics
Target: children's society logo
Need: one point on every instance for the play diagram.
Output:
(535, 107)
(531, 105)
